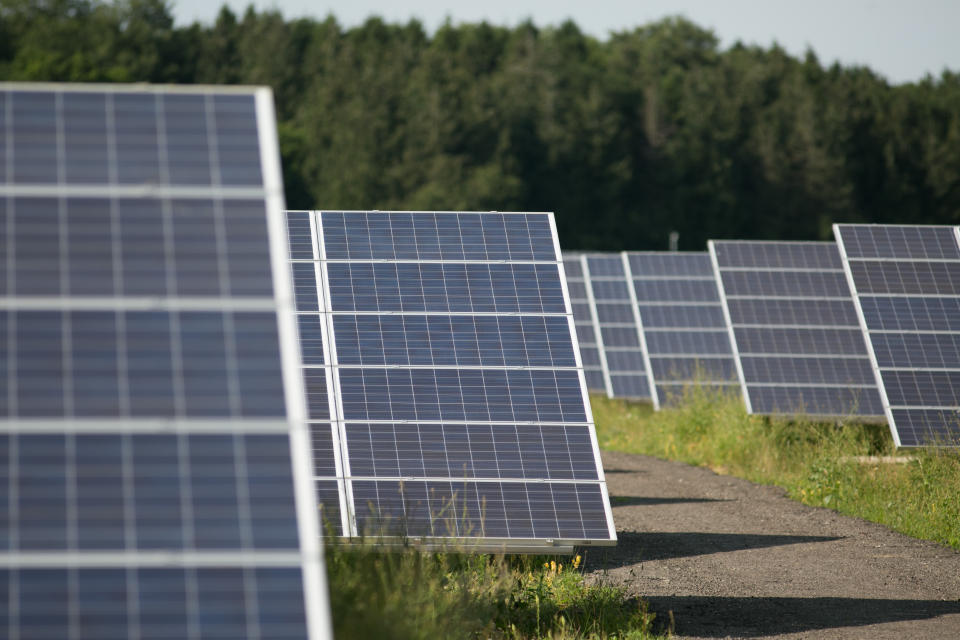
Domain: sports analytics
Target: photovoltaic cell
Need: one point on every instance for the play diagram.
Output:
(794, 328)
(450, 401)
(683, 323)
(145, 415)
(588, 331)
(906, 281)
(620, 331)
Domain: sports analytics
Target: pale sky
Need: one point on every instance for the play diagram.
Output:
(903, 40)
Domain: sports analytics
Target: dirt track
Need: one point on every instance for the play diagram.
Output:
(733, 559)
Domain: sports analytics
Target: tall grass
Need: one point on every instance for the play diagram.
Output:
(814, 461)
(408, 594)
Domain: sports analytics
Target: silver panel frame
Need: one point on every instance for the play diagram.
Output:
(513, 545)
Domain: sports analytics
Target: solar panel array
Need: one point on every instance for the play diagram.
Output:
(683, 321)
(906, 281)
(620, 330)
(149, 406)
(585, 319)
(794, 327)
(447, 398)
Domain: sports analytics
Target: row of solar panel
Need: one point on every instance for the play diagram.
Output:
(148, 360)
(443, 377)
(906, 281)
(446, 395)
(781, 323)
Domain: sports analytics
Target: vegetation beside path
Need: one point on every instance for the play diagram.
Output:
(817, 463)
(412, 595)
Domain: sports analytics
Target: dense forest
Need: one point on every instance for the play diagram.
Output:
(627, 138)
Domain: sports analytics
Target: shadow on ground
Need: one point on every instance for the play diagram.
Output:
(720, 617)
(633, 501)
(633, 547)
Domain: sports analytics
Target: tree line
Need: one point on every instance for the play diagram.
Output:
(627, 138)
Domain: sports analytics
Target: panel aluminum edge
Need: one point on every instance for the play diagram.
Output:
(316, 596)
(726, 316)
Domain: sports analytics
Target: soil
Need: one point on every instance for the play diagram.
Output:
(726, 558)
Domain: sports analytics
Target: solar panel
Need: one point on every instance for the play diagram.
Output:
(793, 326)
(451, 403)
(906, 281)
(152, 402)
(585, 320)
(620, 329)
(683, 321)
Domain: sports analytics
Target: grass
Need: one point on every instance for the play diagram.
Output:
(811, 460)
(411, 595)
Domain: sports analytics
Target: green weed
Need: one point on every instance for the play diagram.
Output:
(407, 594)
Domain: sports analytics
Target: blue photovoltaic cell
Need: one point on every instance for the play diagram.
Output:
(697, 368)
(798, 400)
(907, 282)
(901, 242)
(457, 384)
(512, 395)
(446, 287)
(498, 451)
(770, 284)
(173, 364)
(527, 341)
(119, 247)
(619, 330)
(141, 335)
(796, 331)
(587, 331)
(360, 235)
(911, 313)
(300, 236)
(933, 278)
(481, 509)
(154, 603)
(311, 338)
(778, 312)
(683, 322)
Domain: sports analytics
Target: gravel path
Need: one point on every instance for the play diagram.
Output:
(733, 559)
